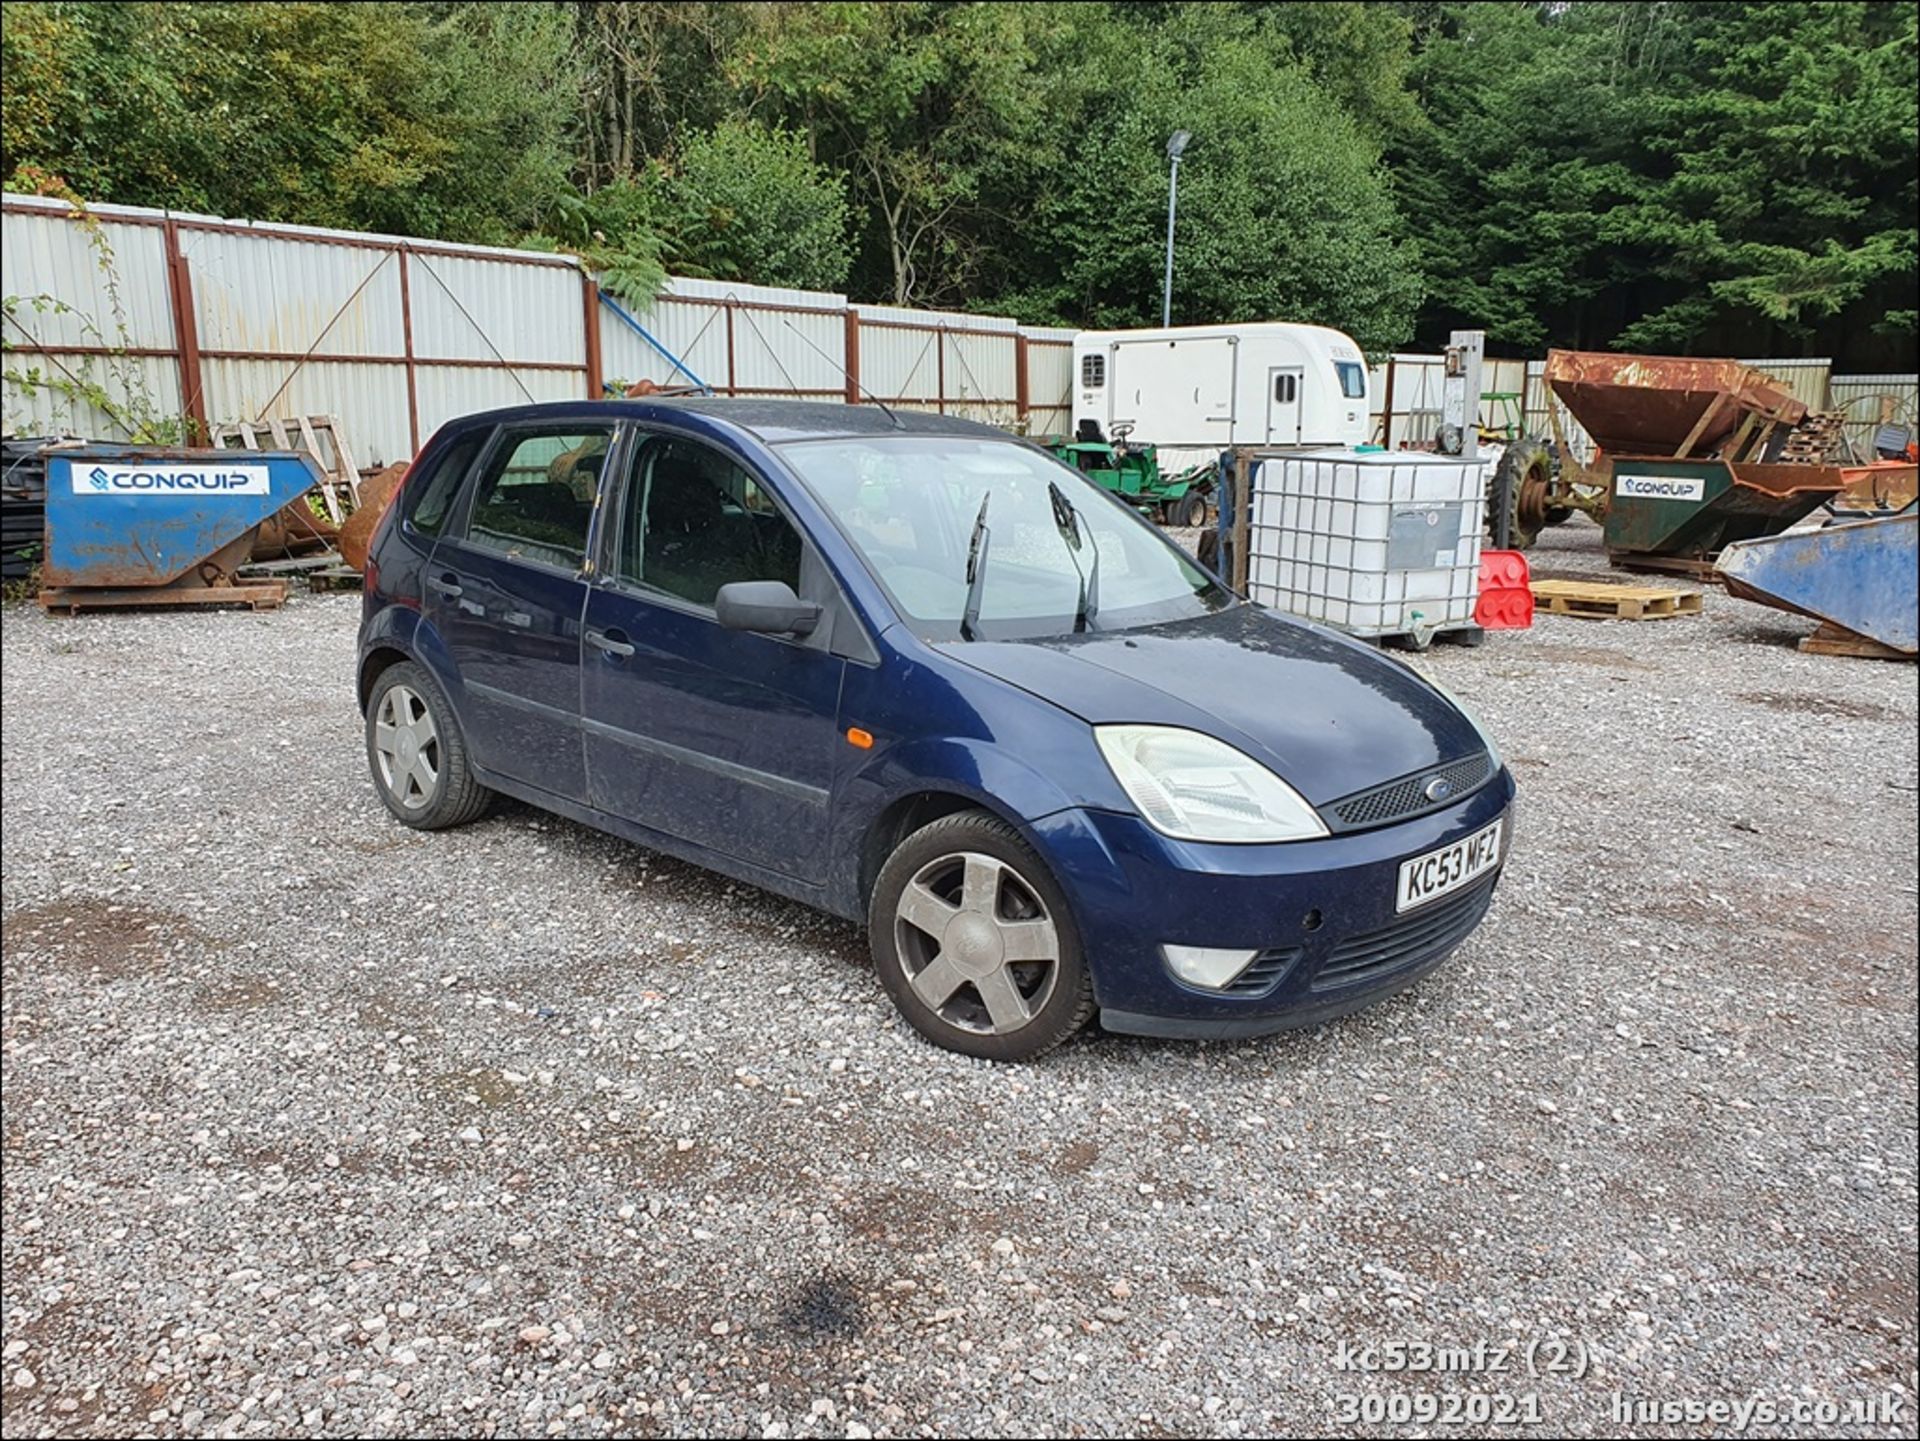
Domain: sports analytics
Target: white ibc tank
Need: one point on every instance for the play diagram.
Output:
(1375, 543)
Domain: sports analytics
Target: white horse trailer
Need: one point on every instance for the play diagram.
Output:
(1194, 390)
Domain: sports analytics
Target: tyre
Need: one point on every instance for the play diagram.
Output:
(1527, 467)
(973, 939)
(416, 752)
(1189, 510)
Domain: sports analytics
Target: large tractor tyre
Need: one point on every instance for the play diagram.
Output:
(1525, 471)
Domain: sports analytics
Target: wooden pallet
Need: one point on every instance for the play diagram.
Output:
(1693, 567)
(1833, 639)
(1599, 600)
(340, 490)
(293, 565)
(335, 577)
(266, 595)
(1816, 440)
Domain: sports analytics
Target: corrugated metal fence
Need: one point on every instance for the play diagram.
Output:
(1406, 399)
(220, 320)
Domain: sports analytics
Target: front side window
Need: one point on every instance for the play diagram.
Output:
(535, 500)
(1353, 379)
(693, 521)
(1093, 371)
(908, 504)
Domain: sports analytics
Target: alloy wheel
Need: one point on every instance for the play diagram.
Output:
(976, 943)
(406, 745)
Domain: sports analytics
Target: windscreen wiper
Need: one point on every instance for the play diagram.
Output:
(1072, 525)
(976, 570)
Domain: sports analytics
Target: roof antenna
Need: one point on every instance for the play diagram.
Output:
(844, 372)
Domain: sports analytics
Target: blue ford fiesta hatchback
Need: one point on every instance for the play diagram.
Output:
(917, 673)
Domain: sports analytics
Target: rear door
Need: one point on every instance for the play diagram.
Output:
(506, 589)
(724, 738)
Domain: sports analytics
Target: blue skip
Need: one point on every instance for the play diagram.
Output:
(141, 526)
(1863, 577)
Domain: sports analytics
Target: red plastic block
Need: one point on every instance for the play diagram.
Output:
(1506, 592)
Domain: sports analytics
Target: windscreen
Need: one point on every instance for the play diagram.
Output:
(909, 505)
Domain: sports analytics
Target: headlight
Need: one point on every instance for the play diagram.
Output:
(1196, 788)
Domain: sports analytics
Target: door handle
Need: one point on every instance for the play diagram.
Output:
(610, 641)
(518, 618)
(445, 584)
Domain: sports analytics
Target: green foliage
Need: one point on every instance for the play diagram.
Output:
(1664, 174)
(1284, 211)
(918, 103)
(746, 203)
(1688, 177)
(372, 116)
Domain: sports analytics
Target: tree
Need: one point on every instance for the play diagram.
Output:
(649, 70)
(916, 102)
(743, 202)
(1285, 212)
(360, 116)
(1736, 179)
(1789, 196)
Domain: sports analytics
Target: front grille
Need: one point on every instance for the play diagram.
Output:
(1397, 800)
(1268, 970)
(1410, 940)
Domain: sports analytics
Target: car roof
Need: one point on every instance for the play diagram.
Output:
(772, 421)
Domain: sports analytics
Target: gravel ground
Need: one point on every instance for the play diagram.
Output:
(314, 1125)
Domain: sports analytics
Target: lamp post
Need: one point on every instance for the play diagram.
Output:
(1176, 147)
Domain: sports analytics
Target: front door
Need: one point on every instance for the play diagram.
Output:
(1283, 405)
(724, 738)
(505, 588)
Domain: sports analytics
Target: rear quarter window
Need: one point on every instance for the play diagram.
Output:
(430, 497)
(1353, 379)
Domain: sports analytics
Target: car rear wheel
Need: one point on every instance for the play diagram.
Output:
(417, 754)
(973, 940)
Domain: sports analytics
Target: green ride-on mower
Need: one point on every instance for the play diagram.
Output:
(1133, 473)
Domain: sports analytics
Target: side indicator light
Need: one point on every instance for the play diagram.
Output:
(860, 738)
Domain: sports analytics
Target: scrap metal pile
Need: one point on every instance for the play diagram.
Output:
(1692, 455)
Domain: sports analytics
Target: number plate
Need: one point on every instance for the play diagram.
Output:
(1429, 877)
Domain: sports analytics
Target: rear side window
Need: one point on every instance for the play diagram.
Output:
(431, 496)
(1093, 371)
(535, 496)
(1353, 380)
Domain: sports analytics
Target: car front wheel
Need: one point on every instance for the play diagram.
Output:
(973, 940)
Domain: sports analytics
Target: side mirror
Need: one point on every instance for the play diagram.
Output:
(767, 606)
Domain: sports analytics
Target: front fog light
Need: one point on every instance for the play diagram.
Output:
(1206, 966)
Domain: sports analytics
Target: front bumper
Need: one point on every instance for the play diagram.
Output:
(1322, 913)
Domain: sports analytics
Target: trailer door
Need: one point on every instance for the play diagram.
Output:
(1174, 392)
(1283, 404)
